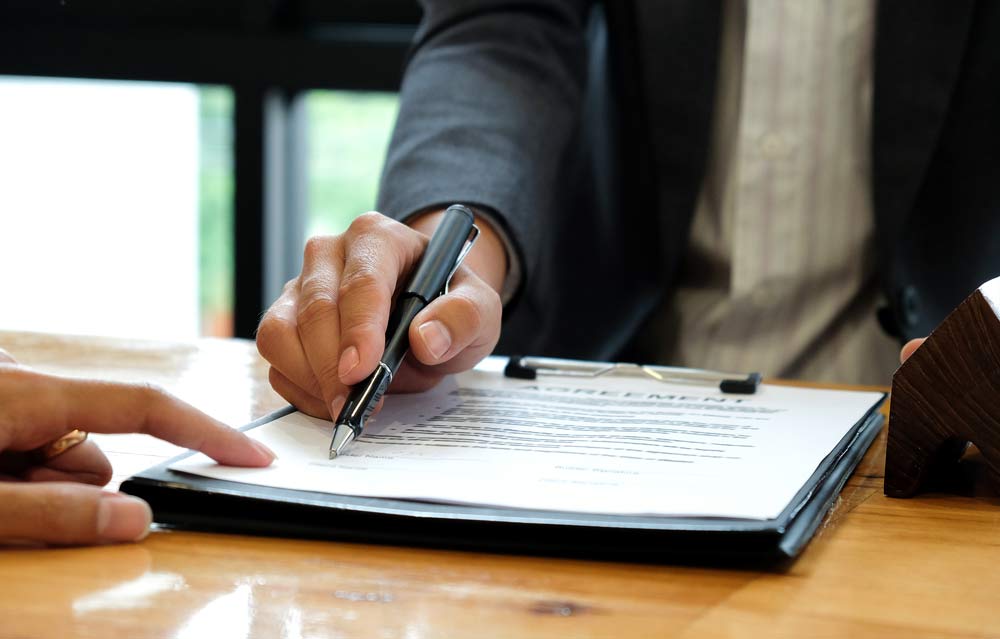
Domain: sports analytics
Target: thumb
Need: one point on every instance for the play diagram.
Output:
(70, 514)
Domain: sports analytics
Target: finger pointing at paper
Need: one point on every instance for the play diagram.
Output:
(55, 497)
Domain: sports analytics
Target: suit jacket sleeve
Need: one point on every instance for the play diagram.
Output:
(489, 104)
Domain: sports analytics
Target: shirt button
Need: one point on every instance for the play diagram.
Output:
(773, 146)
(909, 306)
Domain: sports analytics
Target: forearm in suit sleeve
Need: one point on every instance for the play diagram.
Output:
(489, 102)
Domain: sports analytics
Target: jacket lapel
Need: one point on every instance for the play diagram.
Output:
(918, 53)
(678, 47)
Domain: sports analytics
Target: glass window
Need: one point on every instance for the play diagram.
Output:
(348, 135)
(215, 205)
(116, 211)
(116, 216)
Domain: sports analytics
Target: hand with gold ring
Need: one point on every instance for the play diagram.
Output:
(51, 475)
(59, 446)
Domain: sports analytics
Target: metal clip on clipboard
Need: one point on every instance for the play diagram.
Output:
(521, 367)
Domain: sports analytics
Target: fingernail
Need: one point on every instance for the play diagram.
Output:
(348, 360)
(436, 338)
(123, 518)
(264, 450)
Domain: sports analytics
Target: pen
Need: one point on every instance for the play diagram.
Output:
(450, 243)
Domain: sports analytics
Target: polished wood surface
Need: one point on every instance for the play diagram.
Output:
(878, 567)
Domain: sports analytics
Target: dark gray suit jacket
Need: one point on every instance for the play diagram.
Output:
(590, 144)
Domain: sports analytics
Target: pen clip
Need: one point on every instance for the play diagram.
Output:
(473, 236)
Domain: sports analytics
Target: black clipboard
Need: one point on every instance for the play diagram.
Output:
(188, 501)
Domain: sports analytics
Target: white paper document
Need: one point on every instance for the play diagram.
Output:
(610, 445)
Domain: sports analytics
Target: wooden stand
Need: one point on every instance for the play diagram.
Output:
(946, 395)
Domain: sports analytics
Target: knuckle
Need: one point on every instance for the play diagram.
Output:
(317, 247)
(411, 242)
(276, 379)
(290, 389)
(364, 331)
(364, 282)
(18, 393)
(315, 307)
(328, 376)
(366, 223)
(272, 334)
(199, 440)
(151, 396)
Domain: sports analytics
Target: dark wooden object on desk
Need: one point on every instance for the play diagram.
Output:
(945, 396)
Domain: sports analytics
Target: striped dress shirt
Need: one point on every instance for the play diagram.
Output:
(779, 275)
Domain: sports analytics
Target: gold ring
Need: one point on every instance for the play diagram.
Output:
(59, 446)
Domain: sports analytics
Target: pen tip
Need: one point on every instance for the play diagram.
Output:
(342, 436)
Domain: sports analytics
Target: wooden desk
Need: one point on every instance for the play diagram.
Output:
(878, 567)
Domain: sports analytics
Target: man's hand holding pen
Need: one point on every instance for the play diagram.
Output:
(326, 332)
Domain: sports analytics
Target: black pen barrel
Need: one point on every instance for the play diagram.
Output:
(427, 281)
(441, 253)
(397, 340)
